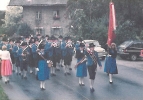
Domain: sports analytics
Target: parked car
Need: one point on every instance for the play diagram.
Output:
(101, 51)
(130, 49)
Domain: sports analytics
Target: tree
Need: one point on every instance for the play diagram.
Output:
(24, 30)
(92, 23)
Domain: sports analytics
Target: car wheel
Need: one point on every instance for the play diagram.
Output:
(133, 57)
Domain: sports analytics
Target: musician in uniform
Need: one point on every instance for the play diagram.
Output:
(39, 37)
(34, 52)
(61, 43)
(68, 53)
(78, 43)
(81, 64)
(30, 56)
(52, 55)
(23, 57)
(42, 68)
(92, 60)
(15, 51)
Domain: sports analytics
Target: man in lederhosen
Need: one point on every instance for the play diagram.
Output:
(92, 60)
(68, 54)
(14, 51)
(30, 56)
(23, 58)
(34, 52)
(52, 55)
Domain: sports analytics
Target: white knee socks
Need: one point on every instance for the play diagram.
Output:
(91, 83)
(110, 78)
(42, 84)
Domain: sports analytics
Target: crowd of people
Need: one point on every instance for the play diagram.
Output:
(44, 55)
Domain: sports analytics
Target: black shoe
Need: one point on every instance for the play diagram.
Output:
(69, 73)
(110, 82)
(92, 90)
(54, 74)
(70, 68)
(0, 77)
(5, 82)
(25, 77)
(19, 73)
(61, 65)
(8, 81)
(82, 84)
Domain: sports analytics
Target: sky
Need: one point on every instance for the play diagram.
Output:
(3, 4)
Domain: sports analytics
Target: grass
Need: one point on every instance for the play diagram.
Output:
(3, 96)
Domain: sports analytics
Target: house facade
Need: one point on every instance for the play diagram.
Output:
(46, 17)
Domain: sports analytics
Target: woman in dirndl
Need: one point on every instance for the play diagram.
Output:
(43, 69)
(110, 62)
(6, 64)
(81, 64)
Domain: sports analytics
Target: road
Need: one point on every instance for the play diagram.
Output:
(127, 85)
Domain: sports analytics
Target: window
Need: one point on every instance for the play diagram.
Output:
(39, 30)
(38, 15)
(56, 15)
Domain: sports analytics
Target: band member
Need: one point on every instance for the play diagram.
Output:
(15, 51)
(81, 64)
(61, 43)
(23, 58)
(9, 48)
(34, 52)
(68, 53)
(30, 56)
(39, 37)
(42, 68)
(6, 64)
(110, 62)
(92, 60)
(78, 43)
(52, 55)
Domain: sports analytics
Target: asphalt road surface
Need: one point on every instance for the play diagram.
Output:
(127, 85)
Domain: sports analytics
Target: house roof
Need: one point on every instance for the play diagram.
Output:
(37, 2)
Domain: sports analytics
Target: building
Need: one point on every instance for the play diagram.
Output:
(44, 16)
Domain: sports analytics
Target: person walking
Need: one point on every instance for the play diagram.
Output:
(110, 62)
(6, 64)
(81, 64)
(43, 68)
(92, 60)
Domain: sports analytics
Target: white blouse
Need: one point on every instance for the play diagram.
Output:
(5, 55)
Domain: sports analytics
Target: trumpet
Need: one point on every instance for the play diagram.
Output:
(55, 44)
(69, 44)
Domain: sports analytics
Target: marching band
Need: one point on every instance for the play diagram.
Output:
(45, 55)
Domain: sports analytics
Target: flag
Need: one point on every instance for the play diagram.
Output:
(112, 24)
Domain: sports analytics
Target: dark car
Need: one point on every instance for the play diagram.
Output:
(130, 49)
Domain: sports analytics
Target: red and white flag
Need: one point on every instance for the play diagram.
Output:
(112, 24)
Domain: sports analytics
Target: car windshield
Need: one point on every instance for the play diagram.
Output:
(126, 43)
(95, 42)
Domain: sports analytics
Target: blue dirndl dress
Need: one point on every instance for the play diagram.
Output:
(81, 69)
(44, 70)
(110, 65)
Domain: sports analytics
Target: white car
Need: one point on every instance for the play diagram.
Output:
(101, 51)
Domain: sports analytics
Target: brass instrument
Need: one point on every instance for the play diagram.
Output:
(25, 54)
(69, 44)
(49, 62)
